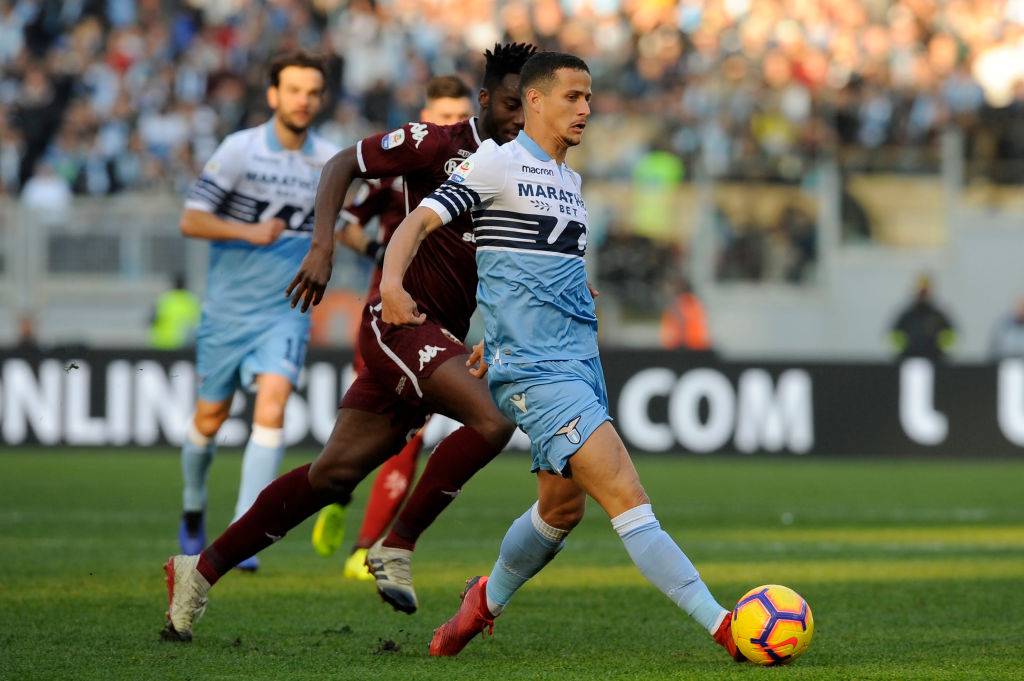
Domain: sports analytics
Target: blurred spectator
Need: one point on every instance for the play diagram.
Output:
(12, 149)
(27, 341)
(1008, 335)
(754, 89)
(47, 196)
(798, 234)
(656, 179)
(922, 329)
(743, 249)
(684, 325)
(631, 268)
(175, 317)
(855, 225)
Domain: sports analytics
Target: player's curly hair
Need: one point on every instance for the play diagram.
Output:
(505, 59)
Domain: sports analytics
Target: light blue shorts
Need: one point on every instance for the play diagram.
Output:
(558, 404)
(228, 357)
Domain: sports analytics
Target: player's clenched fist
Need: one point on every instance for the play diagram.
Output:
(266, 232)
(311, 281)
(399, 308)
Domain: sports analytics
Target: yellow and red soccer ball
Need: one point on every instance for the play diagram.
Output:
(772, 624)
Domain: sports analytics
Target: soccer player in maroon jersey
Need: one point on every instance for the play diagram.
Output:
(447, 102)
(410, 373)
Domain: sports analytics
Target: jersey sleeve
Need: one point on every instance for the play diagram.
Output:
(410, 148)
(475, 182)
(370, 200)
(219, 177)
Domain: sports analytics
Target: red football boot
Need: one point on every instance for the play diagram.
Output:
(472, 618)
(723, 637)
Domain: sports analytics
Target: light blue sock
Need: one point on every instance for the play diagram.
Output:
(262, 457)
(665, 565)
(528, 546)
(196, 456)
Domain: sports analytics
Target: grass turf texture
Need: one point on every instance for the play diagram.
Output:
(913, 570)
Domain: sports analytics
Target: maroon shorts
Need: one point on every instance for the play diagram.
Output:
(395, 360)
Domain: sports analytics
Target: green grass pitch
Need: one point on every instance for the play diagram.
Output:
(914, 570)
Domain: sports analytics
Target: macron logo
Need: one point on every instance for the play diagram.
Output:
(538, 171)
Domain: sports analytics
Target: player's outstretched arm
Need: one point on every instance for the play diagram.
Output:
(201, 224)
(398, 306)
(310, 282)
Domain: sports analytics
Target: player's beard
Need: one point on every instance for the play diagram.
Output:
(292, 125)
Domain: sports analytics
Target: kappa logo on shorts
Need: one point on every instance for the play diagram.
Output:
(570, 432)
(519, 400)
(428, 353)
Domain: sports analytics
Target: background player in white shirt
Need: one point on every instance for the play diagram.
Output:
(254, 202)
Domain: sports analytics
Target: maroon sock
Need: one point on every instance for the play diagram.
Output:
(453, 463)
(281, 505)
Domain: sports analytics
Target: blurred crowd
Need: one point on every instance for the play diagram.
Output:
(108, 95)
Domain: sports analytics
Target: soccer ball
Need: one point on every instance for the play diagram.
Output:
(772, 624)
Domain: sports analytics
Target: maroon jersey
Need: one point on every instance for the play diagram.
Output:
(383, 199)
(442, 276)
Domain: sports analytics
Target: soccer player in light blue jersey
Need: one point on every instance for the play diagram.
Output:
(254, 203)
(540, 346)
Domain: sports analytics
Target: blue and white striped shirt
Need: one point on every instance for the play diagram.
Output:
(530, 228)
(251, 178)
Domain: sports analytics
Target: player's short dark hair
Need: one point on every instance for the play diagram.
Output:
(539, 70)
(503, 60)
(301, 58)
(452, 87)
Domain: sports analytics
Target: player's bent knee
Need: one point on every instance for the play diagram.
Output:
(209, 424)
(269, 416)
(494, 428)
(334, 480)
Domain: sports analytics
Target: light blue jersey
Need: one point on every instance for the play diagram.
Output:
(540, 323)
(248, 326)
(251, 178)
(530, 227)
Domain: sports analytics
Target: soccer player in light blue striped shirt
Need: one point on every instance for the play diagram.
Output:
(254, 203)
(540, 341)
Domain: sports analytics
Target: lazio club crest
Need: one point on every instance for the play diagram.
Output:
(570, 432)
